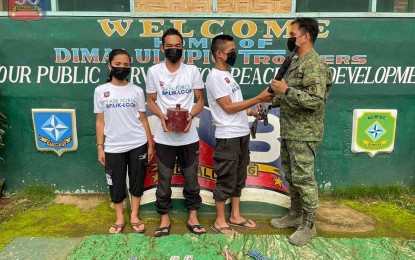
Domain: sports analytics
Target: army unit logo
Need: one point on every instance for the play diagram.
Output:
(374, 130)
(27, 10)
(55, 130)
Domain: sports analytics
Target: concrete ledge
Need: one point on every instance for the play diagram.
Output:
(39, 248)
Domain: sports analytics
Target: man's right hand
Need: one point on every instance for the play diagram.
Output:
(101, 156)
(265, 96)
(164, 118)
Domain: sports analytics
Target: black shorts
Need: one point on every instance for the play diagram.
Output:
(116, 167)
(230, 162)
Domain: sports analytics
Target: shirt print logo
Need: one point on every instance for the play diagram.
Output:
(227, 80)
(161, 83)
(106, 94)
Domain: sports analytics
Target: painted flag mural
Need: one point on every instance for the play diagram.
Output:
(265, 182)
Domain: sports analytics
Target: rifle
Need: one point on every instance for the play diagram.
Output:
(264, 108)
(284, 68)
(262, 114)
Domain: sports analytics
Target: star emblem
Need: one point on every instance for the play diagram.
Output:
(54, 127)
(155, 177)
(375, 131)
(153, 172)
(278, 182)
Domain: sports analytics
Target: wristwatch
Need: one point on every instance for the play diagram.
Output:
(287, 91)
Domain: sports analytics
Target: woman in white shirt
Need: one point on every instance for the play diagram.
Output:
(124, 140)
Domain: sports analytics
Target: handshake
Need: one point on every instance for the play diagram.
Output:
(279, 86)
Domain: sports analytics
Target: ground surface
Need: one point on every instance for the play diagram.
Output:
(331, 216)
(81, 223)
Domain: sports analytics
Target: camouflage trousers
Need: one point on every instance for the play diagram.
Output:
(297, 160)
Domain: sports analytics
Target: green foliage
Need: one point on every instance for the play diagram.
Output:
(399, 195)
(391, 219)
(56, 221)
(33, 196)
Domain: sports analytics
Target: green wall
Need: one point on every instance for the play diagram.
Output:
(367, 43)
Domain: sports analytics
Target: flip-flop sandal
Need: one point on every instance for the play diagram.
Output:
(191, 228)
(219, 230)
(137, 225)
(117, 226)
(160, 231)
(243, 224)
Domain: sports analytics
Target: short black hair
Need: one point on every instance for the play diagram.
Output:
(309, 25)
(218, 42)
(171, 31)
(116, 52)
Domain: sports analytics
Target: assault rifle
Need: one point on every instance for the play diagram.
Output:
(263, 108)
(262, 114)
(284, 68)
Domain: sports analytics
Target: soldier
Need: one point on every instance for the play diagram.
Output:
(302, 97)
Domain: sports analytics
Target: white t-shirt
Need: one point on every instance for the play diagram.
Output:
(121, 106)
(174, 88)
(220, 84)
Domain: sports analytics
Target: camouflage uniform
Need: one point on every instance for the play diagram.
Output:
(301, 119)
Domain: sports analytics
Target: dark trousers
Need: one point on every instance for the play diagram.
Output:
(116, 165)
(231, 158)
(188, 161)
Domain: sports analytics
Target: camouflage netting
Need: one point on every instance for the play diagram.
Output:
(134, 246)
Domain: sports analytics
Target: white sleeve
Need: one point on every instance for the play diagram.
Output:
(150, 82)
(97, 101)
(197, 79)
(218, 89)
(141, 100)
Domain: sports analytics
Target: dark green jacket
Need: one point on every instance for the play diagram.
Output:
(302, 109)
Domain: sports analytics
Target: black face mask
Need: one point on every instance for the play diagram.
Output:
(173, 54)
(120, 73)
(230, 60)
(291, 44)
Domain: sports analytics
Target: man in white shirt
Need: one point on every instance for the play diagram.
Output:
(171, 83)
(230, 113)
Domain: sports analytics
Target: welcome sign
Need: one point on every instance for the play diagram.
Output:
(59, 62)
